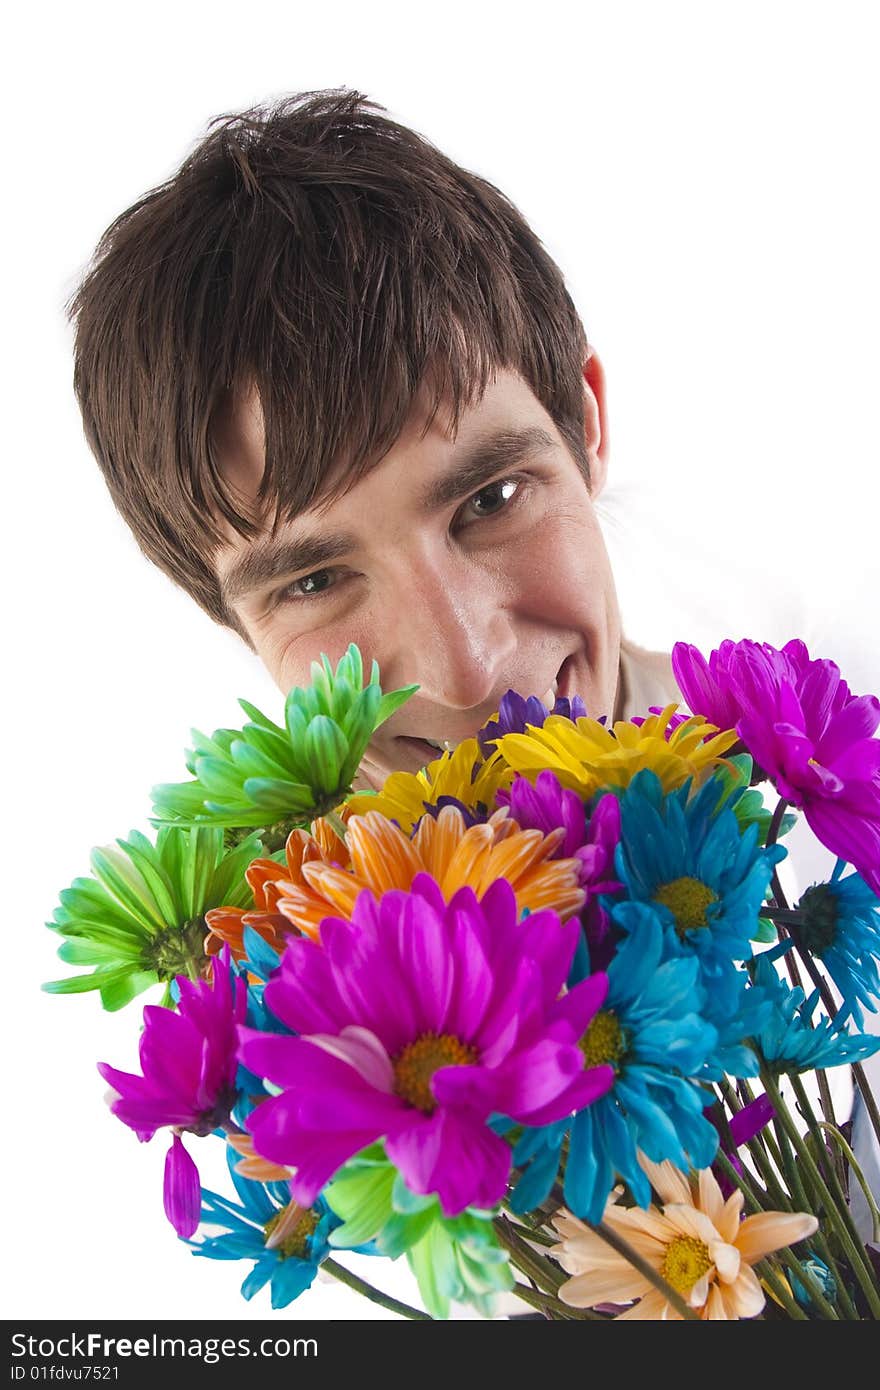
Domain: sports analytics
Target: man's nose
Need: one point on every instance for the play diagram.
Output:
(450, 632)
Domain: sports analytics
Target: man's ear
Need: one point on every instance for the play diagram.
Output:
(595, 422)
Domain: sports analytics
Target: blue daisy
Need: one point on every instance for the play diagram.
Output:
(842, 929)
(261, 962)
(288, 1267)
(706, 877)
(652, 1029)
(791, 1040)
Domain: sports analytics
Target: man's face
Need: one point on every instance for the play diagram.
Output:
(469, 565)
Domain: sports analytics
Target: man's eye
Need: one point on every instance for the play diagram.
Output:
(309, 586)
(502, 496)
(495, 497)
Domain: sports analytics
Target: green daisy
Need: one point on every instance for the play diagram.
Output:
(453, 1258)
(141, 919)
(277, 778)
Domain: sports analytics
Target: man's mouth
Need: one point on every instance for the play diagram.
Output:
(436, 747)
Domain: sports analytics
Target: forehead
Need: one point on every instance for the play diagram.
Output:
(240, 442)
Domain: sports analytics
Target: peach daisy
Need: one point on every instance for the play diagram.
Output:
(698, 1242)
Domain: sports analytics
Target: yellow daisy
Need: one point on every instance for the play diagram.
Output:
(697, 1241)
(382, 857)
(403, 794)
(585, 755)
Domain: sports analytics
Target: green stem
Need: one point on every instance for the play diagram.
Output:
(533, 1233)
(795, 1175)
(858, 1071)
(772, 1277)
(776, 821)
(384, 1300)
(744, 1183)
(543, 1272)
(835, 1134)
(835, 1218)
(546, 1303)
(841, 1204)
(759, 1152)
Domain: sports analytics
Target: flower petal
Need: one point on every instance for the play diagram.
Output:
(766, 1231)
(182, 1192)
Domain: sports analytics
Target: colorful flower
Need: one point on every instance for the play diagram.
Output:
(706, 879)
(698, 1242)
(588, 757)
(453, 1257)
(382, 857)
(272, 777)
(462, 775)
(141, 919)
(841, 927)
(792, 1040)
(516, 712)
(265, 876)
(651, 1030)
(188, 1060)
(417, 1020)
(287, 1242)
(808, 733)
(546, 806)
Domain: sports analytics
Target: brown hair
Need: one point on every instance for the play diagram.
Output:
(332, 259)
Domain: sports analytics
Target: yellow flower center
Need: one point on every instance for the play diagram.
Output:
(416, 1063)
(687, 900)
(299, 1224)
(603, 1040)
(686, 1261)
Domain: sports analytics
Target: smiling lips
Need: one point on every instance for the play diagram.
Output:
(448, 745)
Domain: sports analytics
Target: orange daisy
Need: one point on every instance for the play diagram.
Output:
(383, 857)
(227, 924)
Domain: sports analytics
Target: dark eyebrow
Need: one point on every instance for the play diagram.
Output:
(271, 559)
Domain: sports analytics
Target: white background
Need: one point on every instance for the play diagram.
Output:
(706, 176)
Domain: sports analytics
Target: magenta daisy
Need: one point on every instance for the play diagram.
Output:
(811, 736)
(545, 805)
(188, 1059)
(417, 1021)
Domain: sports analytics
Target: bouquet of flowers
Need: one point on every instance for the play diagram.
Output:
(538, 1018)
